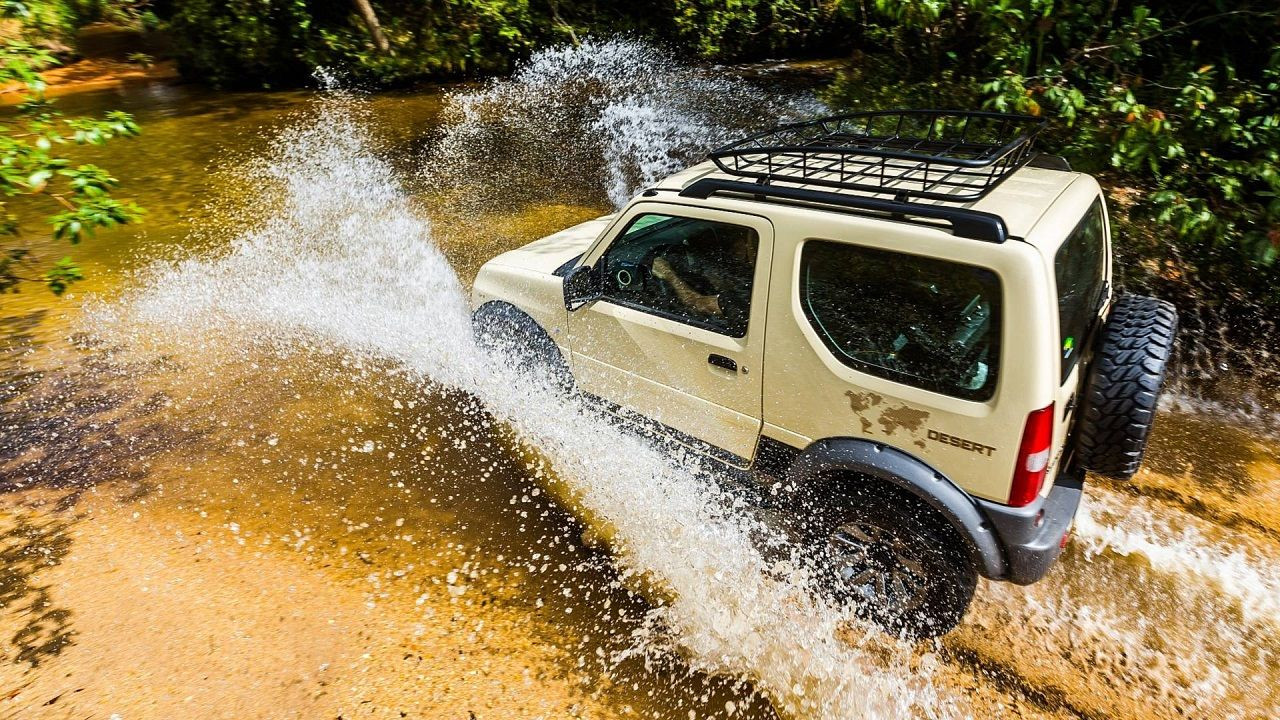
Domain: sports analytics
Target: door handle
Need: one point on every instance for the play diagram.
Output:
(721, 361)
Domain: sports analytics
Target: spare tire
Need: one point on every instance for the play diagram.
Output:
(1123, 386)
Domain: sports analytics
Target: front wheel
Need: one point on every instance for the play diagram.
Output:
(893, 560)
(517, 341)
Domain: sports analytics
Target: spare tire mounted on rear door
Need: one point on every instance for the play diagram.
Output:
(1123, 387)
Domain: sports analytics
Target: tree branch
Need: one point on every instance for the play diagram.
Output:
(1183, 26)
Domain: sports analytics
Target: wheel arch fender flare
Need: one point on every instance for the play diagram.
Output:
(510, 313)
(490, 318)
(816, 467)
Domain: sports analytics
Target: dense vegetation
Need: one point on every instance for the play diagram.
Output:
(1175, 103)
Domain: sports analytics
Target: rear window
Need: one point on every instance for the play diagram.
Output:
(920, 321)
(1080, 268)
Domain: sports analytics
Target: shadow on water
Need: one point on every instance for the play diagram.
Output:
(81, 425)
(159, 100)
(63, 431)
(32, 541)
(29, 542)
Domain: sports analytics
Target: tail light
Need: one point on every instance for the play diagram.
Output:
(1033, 457)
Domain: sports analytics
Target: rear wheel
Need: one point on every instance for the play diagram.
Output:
(1124, 385)
(894, 560)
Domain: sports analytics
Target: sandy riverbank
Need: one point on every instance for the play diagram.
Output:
(137, 612)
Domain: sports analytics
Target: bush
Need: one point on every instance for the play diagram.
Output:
(1176, 104)
(264, 43)
(256, 43)
(740, 29)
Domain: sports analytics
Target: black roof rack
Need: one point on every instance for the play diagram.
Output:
(966, 223)
(947, 155)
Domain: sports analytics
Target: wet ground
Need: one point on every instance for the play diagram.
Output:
(320, 507)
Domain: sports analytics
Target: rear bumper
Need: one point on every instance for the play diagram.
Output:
(1032, 535)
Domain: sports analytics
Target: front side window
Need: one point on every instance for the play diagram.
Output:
(924, 322)
(1080, 268)
(696, 271)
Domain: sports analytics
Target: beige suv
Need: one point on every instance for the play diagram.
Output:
(904, 319)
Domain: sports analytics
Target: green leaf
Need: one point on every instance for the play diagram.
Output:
(62, 275)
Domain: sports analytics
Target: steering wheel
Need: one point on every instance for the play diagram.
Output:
(652, 282)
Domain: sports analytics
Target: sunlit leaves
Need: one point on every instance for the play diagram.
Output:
(33, 144)
(63, 273)
(1177, 99)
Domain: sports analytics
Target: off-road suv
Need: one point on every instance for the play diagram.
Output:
(903, 319)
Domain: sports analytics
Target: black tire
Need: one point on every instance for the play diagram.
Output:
(506, 330)
(866, 536)
(1123, 386)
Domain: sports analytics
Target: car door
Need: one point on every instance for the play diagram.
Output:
(682, 345)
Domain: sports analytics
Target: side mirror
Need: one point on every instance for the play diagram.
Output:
(581, 286)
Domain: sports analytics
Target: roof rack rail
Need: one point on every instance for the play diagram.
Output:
(946, 155)
(966, 223)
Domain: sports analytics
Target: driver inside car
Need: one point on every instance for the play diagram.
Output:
(712, 278)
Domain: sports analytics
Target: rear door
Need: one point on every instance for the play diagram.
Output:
(678, 335)
(1080, 275)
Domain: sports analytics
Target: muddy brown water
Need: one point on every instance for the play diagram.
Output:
(315, 533)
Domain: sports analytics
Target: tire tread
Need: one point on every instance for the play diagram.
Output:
(1124, 385)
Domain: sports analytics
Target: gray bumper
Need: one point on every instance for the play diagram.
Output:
(1032, 535)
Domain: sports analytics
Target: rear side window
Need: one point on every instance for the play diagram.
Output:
(1080, 270)
(920, 321)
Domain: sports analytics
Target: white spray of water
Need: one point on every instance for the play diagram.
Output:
(345, 260)
(1187, 628)
(1131, 526)
(616, 105)
(1095, 645)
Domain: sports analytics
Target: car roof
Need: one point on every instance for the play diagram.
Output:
(1021, 199)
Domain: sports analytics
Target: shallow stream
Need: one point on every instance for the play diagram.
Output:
(255, 467)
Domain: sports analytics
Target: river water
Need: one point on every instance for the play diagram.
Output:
(255, 466)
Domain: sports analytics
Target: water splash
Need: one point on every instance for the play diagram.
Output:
(603, 119)
(1150, 613)
(1135, 527)
(345, 259)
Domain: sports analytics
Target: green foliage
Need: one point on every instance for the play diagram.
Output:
(259, 43)
(34, 166)
(1177, 100)
(739, 28)
(247, 42)
(125, 13)
(274, 42)
(54, 22)
(48, 20)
